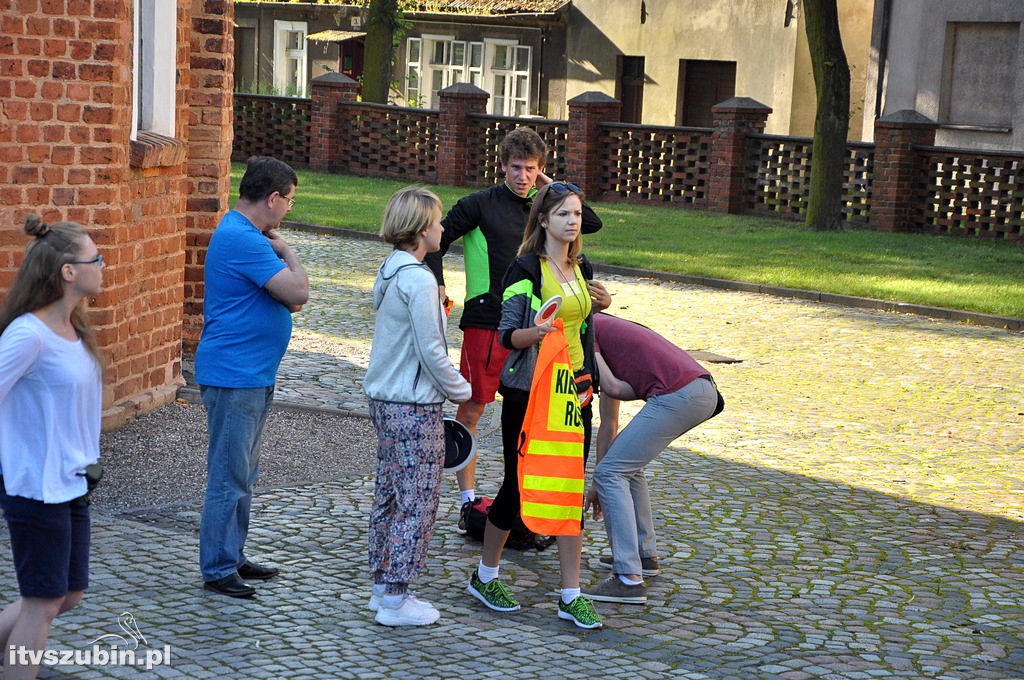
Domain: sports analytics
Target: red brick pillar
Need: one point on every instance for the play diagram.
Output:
(896, 167)
(328, 91)
(456, 104)
(584, 150)
(733, 120)
(210, 64)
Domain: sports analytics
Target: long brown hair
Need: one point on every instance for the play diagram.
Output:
(39, 281)
(547, 199)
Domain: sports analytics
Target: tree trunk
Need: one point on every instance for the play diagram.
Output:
(379, 49)
(832, 120)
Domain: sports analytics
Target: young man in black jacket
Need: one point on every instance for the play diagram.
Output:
(490, 223)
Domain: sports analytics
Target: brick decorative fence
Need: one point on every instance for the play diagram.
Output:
(902, 182)
(272, 126)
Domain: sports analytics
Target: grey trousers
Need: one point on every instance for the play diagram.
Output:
(619, 477)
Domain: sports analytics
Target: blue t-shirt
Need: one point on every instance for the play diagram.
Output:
(245, 330)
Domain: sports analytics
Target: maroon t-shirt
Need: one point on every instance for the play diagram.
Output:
(637, 355)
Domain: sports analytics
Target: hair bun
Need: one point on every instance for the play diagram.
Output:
(36, 227)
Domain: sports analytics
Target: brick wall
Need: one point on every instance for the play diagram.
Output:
(210, 38)
(66, 153)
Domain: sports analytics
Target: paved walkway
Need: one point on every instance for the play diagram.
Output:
(856, 512)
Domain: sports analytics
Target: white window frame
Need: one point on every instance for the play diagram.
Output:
(447, 71)
(413, 71)
(283, 56)
(514, 97)
(154, 66)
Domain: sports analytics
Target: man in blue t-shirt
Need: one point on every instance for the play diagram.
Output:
(253, 283)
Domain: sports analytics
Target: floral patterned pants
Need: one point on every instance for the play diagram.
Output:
(410, 460)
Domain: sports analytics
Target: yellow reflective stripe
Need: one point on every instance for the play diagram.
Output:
(566, 484)
(545, 511)
(546, 447)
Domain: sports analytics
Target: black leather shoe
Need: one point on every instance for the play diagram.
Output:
(231, 585)
(254, 572)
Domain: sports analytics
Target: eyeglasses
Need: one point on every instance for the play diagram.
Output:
(98, 260)
(291, 201)
(559, 188)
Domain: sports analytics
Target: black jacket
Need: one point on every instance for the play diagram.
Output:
(491, 223)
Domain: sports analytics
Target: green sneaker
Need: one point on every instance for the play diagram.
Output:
(580, 611)
(493, 594)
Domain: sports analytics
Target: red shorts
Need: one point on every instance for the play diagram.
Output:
(482, 360)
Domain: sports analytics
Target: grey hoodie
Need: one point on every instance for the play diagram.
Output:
(409, 357)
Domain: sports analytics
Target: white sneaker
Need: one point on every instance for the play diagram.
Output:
(375, 598)
(411, 612)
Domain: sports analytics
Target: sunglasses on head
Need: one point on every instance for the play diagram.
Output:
(559, 188)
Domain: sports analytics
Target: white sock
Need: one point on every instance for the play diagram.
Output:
(628, 582)
(392, 601)
(467, 496)
(569, 594)
(486, 573)
(378, 589)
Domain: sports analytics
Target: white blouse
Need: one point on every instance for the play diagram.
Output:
(51, 401)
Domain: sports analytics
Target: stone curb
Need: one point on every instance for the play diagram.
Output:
(190, 393)
(973, 318)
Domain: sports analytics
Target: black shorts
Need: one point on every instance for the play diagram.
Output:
(50, 545)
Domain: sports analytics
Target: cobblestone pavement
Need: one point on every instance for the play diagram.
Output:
(856, 512)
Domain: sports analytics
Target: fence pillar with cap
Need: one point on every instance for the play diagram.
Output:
(584, 150)
(327, 92)
(456, 104)
(733, 120)
(896, 168)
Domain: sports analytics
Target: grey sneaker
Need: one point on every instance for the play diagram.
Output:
(650, 565)
(580, 611)
(612, 589)
(493, 594)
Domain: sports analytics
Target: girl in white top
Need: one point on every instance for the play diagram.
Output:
(51, 391)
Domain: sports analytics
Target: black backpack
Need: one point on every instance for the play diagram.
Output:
(519, 538)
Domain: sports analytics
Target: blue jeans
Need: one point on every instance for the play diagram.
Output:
(619, 476)
(235, 419)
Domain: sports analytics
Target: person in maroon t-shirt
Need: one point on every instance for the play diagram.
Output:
(634, 362)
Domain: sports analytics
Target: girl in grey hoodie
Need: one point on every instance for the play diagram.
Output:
(407, 382)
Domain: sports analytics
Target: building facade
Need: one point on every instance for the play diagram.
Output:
(670, 61)
(117, 114)
(502, 46)
(958, 64)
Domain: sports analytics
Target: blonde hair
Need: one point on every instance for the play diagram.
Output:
(545, 202)
(409, 211)
(39, 281)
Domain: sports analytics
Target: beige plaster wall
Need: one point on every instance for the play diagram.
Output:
(749, 32)
(855, 17)
(917, 56)
(772, 61)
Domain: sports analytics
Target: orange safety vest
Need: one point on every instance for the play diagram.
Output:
(551, 477)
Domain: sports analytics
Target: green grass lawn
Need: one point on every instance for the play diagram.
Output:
(957, 273)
